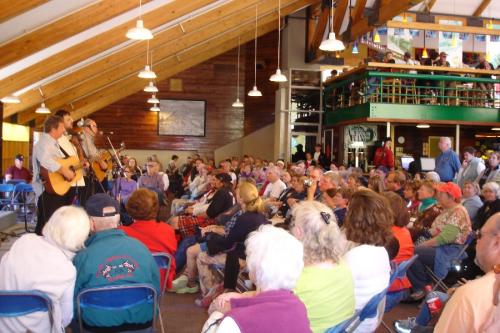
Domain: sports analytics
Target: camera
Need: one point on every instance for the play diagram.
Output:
(308, 182)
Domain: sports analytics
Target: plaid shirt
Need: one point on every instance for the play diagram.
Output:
(232, 221)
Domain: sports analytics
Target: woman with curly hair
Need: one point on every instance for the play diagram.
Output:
(368, 229)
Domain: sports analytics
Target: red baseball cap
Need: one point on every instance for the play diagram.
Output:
(450, 188)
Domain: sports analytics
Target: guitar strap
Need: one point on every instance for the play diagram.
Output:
(66, 155)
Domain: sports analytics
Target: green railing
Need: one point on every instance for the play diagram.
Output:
(407, 88)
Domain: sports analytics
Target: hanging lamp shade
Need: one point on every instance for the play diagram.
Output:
(254, 92)
(151, 87)
(155, 108)
(153, 100)
(425, 55)
(355, 48)
(488, 57)
(237, 103)
(42, 109)
(331, 44)
(278, 77)
(147, 73)
(454, 40)
(376, 37)
(11, 100)
(489, 25)
(139, 32)
(405, 19)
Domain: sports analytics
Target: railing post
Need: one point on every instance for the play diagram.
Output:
(457, 139)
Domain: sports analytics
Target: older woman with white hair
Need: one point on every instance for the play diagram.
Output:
(491, 195)
(470, 199)
(44, 263)
(326, 285)
(275, 262)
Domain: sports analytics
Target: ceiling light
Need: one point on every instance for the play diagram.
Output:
(153, 100)
(423, 126)
(376, 37)
(151, 87)
(237, 103)
(331, 44)
(405, 19)
(42, 109)
(139, 32)
(495, 129)
(11, 100)
(355, 48)
(254, 92)
(278, 77)
(147, 73)
(425, 55)
(155, 108)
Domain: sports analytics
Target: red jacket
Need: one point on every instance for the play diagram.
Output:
(158, 237)
(384, 156)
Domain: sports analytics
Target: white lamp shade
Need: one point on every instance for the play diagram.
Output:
(147, 73)
(278, 77)
(11, 100)
(237, 103)
(42, 109)
(155, 108)
(153, 100)
(254, 92)
(151, 88)
(139, 32)
(331, 44)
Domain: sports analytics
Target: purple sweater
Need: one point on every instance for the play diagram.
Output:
(270, 311)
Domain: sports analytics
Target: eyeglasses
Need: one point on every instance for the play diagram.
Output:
(480, 234)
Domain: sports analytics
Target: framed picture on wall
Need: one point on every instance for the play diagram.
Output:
(182, 117)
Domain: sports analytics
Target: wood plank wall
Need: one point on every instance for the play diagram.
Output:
(213, 81)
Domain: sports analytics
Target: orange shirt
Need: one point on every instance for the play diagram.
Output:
(406, 251)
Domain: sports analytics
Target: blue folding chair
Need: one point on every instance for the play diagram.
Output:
(117, 298)
(164, 261)
(7, 192)
(22, 302)
(24, 197)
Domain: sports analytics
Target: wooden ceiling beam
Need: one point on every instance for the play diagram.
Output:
(429, 5)
(173, 64)
(12, 9)
(63, 28)
(133, 59)
(339, 14)
(443, 27)
(95, 45)
(358, 11)
(481, 8)
(319, 30)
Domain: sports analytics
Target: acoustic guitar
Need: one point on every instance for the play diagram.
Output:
(55, 183)
(99, 172)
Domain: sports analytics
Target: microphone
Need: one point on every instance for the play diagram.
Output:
(80, 122)
(106, 133)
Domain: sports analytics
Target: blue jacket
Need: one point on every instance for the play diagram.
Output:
(447, 165)
(112, 258)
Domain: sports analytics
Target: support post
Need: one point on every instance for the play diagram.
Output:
(457, 139)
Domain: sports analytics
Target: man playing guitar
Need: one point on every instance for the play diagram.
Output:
(46, 153)
(90, 131)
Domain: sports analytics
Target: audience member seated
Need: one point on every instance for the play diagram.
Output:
(18, 171)
(354, 181)
(152, 179)
(326, 284)
(395, 182)
(179, 205)
(292, 195)
(124, 186)
(338, 201)
(275, 262)
(433, 176)
(155, 235)
(111, 258)
(427, 211)
(492, 171)
(43, 263)
(368, 228)
(134, 168)
(446, 237)
(410, 193)
(275, 185)
(199, 185)
(400, 288)
(491, 194)
(222, 200)
(321, 182)
(471, 200)
(471, 168)
(376, 184)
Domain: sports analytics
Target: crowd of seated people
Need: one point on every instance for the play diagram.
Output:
(317, 242)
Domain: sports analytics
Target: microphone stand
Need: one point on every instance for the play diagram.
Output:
(120, 168)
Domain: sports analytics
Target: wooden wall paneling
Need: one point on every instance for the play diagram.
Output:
(63, 28)
(11, 8)
(95, 45)
(171, 46)
(9, 151)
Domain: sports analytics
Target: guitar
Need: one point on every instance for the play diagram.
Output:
(99, 172)
(55, 183)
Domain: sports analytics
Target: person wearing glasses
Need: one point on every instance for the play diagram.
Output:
(124, 186)
(151, 179)
(90, 131)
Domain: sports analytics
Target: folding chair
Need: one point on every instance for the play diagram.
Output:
(22, 302)
(117, 298)
(163, 260)
(7, 196)
(242, 285)
(28, 200)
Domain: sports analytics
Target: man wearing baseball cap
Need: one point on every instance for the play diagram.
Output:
(112, 258)
(18, 171)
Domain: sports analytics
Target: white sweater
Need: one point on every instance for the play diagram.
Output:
(371, 271)
(34, 263)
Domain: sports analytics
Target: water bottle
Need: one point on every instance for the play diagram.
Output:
(433, 301)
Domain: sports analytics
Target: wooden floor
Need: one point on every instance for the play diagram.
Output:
(181, 315)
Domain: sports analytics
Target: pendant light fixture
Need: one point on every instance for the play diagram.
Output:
(10, 100)
(153, 100)
(424, 52)
(147, 72)
(151, 87)
(355, 48)
(405, 19)
(139, 32)
(278, 77)
(376, 37)
(255, 92)
(155, 108)
(42, 109)
(331, 44)
(238, 103)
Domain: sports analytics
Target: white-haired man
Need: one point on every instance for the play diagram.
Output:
(275, 186)
(447, 162)
(111, 258)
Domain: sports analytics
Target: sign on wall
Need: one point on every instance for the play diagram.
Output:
(181, 117)
(354, 134)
